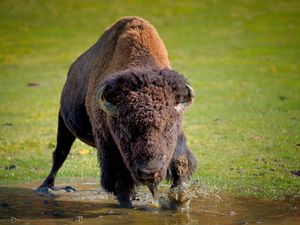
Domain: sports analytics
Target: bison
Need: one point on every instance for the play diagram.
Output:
(122, 97)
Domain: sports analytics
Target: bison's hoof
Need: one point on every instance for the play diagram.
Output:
(126, 204)
(69, 189)
(45, 190)
(178, 198)
(155, 203)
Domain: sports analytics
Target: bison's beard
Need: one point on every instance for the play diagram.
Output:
(132, 153)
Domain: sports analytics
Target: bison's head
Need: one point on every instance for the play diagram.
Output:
(145, 113)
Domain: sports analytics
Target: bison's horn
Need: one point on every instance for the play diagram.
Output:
(106, 106)
(184, 105)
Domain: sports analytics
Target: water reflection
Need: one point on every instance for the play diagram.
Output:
(22, 205)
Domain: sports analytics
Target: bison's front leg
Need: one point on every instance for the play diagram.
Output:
(115, 177)
(183, 164)
(178, 197)
(180, 171)
(124, 191)
(65, 140)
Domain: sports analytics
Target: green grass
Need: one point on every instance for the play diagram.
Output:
(242, 58)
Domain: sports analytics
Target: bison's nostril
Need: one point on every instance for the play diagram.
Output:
(147, 174)
(148, 170)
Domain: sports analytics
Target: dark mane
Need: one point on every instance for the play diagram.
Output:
(136, 79)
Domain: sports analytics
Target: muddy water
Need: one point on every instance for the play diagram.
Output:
(19, 204)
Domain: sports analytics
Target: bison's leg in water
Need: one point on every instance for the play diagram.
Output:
(65, 140)
(183, 164)
(115, 177)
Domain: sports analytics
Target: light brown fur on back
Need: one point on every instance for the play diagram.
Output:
(131, 42)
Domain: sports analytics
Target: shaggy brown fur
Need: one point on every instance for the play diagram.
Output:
(122, 97)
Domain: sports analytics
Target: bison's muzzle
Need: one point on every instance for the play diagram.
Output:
(150, 170)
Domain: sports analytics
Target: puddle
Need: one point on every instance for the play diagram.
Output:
(19, 204)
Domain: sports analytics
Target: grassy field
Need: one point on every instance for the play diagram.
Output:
(241, 57)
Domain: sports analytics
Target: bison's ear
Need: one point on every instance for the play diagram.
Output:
(105, 105)
(187, 100)
(182, 91)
